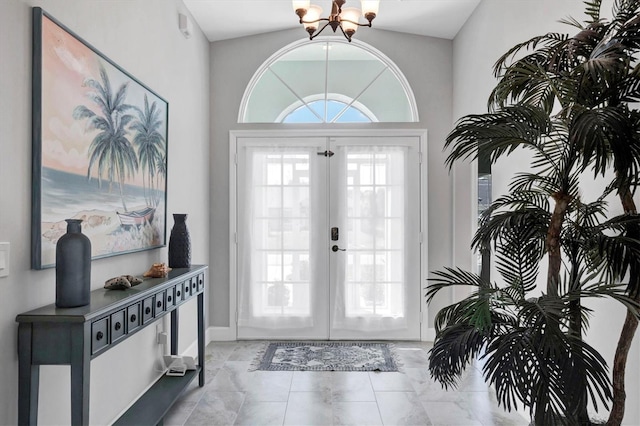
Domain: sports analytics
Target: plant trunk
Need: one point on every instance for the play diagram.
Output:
(553, 244)
(554, 251)
(630, 323)
(619, 366)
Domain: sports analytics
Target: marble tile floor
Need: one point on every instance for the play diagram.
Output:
(233, 395)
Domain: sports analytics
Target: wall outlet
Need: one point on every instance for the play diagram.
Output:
(161, 335)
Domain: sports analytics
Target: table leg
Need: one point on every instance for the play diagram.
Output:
(201, 337)
(174, 331)
(80, 373)
(29, 378)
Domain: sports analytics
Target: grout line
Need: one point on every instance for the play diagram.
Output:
(375, 397)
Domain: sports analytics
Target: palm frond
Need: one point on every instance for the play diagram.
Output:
(531, 222)
(518, 255)
(452, 351)
(497, 134)
(592, 9)
(547, 40)
(570, 20)
(525, 82)
(452, 277)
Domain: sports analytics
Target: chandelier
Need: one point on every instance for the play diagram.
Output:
(346, 19)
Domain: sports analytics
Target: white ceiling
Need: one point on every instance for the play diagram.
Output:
(225, 19)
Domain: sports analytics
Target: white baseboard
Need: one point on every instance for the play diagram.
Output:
(192, 350)
(212, 334)
(221, 334)
(228, 334)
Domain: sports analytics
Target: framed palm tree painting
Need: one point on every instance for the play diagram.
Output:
(99, 149)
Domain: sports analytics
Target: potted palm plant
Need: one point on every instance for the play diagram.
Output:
(568, 101)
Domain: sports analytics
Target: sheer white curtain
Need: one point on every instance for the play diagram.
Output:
(280, 219)
(370, 282)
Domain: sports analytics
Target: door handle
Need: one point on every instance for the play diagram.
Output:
(335, 248)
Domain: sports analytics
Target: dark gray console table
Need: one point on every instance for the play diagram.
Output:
(74, 336)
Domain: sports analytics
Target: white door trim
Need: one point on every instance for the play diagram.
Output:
(235, 135)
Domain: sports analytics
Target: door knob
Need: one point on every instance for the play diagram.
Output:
(336, 248)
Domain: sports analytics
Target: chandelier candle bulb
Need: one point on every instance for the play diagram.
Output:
(349, 20)
(370, 9)
(301, 7)
(312, 18)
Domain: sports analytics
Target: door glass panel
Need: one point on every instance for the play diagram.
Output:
(369, 238)
(286, 203)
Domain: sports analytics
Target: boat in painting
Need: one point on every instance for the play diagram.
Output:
(136, 217)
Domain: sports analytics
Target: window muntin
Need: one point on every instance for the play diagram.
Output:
(330, 109)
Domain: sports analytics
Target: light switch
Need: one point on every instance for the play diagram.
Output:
(4, 259)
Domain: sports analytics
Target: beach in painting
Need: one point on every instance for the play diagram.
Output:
(72, 196)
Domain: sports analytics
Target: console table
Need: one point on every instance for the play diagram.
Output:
(74, 336)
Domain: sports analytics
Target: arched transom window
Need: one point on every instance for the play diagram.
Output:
(328, 81)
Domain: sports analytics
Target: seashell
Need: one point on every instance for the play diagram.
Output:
(134, 281)
(157, 270)
(117, 283)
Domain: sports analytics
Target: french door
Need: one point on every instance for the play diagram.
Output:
(328, 238)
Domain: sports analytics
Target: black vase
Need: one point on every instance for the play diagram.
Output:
(179, 243)
(73, 267)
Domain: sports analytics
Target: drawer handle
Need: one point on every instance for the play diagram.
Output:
(159, 304)
(169, 298)
(118, 326)
(200, 280)
(147, 310)
(179, 293)
(99, 335)
(193, 285)
(133, 318)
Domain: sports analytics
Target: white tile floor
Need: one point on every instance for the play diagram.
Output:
(233, 395)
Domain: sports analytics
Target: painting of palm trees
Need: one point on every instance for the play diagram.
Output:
(110, 150)
(100, 149)
(150, 144)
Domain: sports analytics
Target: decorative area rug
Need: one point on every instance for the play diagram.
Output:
(327, 356)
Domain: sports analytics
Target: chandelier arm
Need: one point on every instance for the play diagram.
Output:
(347, 36)
(356, 23)
(317, 33)
(313, 22)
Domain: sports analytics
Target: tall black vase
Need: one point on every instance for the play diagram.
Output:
(73, 267)
(179, 243)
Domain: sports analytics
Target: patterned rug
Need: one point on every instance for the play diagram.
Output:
(327, 356)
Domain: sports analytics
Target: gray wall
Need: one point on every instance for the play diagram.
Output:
(427, 65)
(143, 37)
(494, 27)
